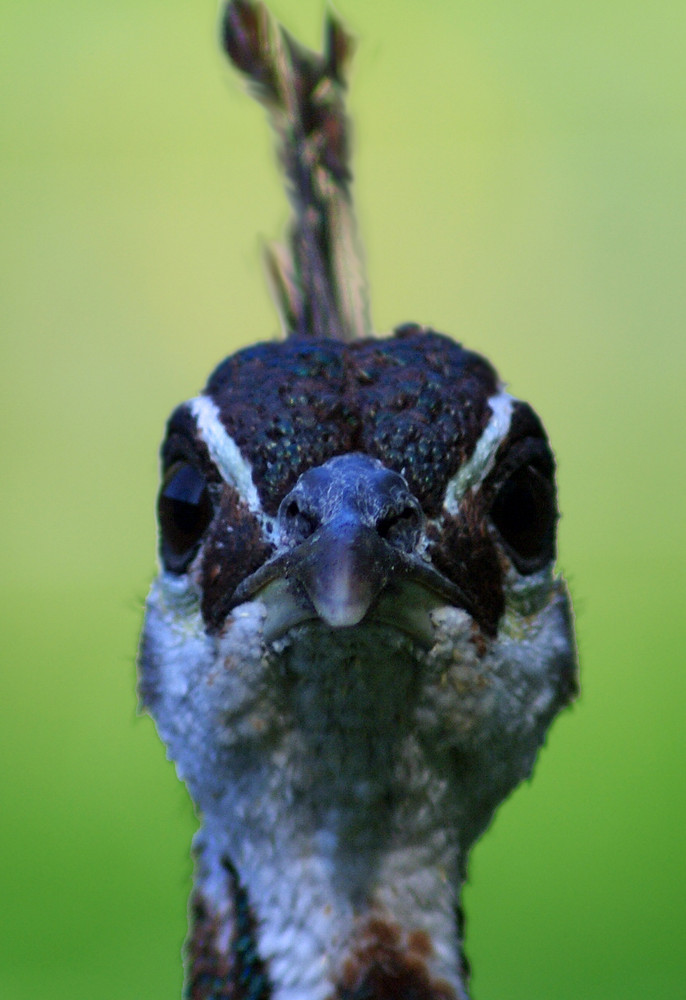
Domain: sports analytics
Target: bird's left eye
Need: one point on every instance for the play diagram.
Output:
(524, 513)
(185, 510)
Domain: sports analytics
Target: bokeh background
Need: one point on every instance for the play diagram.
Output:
(520, 184)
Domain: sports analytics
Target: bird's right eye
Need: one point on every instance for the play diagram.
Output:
(185, 510)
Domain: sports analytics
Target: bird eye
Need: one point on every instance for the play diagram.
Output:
(524, 513)
(185, 510)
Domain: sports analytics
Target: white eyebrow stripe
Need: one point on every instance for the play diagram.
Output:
(224, 451)
(474, 471)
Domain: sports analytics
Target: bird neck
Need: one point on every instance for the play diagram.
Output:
(330, 861)
(301, 927)
(342, 778)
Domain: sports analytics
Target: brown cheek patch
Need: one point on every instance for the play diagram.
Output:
(234, 549)
(386, 964)
(462, 548)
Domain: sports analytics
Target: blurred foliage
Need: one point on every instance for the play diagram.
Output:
(520, 185)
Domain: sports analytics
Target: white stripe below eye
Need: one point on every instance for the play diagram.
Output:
(224, 451)
(473, 472)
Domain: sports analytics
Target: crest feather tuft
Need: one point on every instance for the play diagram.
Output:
(319, 284)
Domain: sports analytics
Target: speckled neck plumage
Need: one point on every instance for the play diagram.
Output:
(357, 642)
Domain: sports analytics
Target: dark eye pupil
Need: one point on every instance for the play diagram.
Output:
(524, 514)
(185, 510)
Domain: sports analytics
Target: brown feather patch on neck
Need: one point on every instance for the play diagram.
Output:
(387, 963)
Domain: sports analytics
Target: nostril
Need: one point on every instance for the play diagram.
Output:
(400, 528)
(292, 510)
(299, 523)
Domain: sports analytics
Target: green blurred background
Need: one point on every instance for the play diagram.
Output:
(520, 184)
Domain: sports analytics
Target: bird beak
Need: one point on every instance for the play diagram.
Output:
(344, 577)
(342, 567)
(351, 550)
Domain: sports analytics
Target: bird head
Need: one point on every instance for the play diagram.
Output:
(357, 640)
